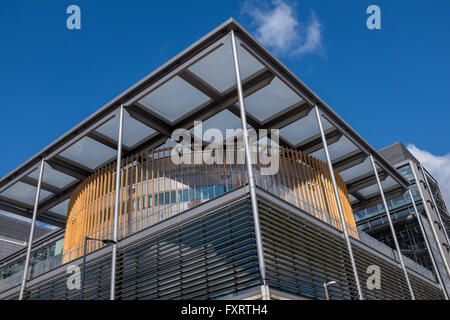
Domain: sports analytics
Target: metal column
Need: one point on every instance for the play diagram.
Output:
(338, 200)
(251, 180)
(116, 205)
(422, 229)
(436, 237)
(435, 205)
(30, 240)
(388, 214)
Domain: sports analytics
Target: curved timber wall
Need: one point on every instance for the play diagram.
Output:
(153, 188)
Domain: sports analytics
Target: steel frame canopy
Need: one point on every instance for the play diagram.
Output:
(203, 80)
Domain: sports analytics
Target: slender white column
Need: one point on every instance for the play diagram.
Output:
(248, 160)
(338, 200)
(427, 244)
(30, 239)
(116, 205)
(432, 226)
(391, 225)
(438, 213)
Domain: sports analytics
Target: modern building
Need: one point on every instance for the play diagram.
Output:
(425, 241)
(249, 216)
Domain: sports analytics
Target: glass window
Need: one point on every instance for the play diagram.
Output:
(133, 130)
(24, 193)
(89, 153)
(174, 99)
(61, 208)
(52, 177)
(406, 172)
(303, 129)
(372, 211)
(360, 215)
(221, 121)
(398, 202)
(402, 213)
(217, 68)
(415, 192)
(375, 222)
(357, 171)
(270, 100)
(338, 149)
(387, 183)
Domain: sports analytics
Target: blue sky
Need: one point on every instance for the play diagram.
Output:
(390, 84)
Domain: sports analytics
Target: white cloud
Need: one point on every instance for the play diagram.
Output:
(438, 166)
(278, 27)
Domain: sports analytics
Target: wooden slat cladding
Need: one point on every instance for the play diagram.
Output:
(154, 188)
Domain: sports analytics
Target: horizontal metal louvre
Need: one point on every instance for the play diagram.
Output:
(213, 255)
(300, 256)
(393, 284)
(208, 257)
(425, 291)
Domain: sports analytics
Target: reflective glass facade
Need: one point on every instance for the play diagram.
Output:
(374, 222)
(41, 261)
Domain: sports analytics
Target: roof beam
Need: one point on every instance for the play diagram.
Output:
(61, 166)
(365, 181)
(370, 202)
(56, 199)
(359, 198)
(348, 161)
(200, 85)
(73, 168)
(55, 220)
(97, 136)
(44, 186)
(314, 143)
(288, 116)
(141, 114)
(228, 99)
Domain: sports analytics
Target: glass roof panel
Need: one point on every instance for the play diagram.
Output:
(174, 99)
(89, 153)
(270, 100)
(221, 121)
(24, 193)
(133, 130)
(53, 177)
(357, 171)
(338, 149)
(61, 208)
(387, 183)
(217, 68)
(303, 129)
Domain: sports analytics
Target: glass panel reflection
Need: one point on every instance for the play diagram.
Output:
(357, 171)
(133, 130)
(53, 177)
(270, 100)
(338, 149)
(303, 129)
(387, 183)
(222, 121)
(89, 153)
(24, 193)
(217, 68)
(61, 208)
(174, 99)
